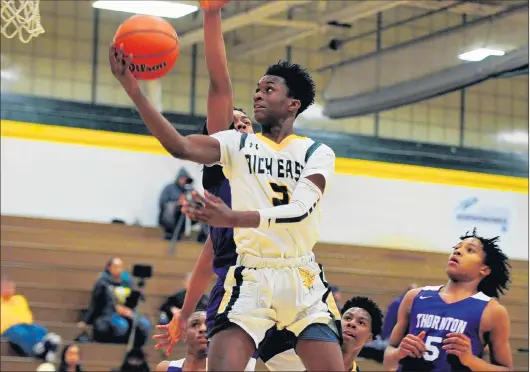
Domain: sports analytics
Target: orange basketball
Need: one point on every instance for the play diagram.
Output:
(152, 41)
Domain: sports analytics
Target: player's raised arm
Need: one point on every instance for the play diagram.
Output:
(402, 344)
(220, 101)
(306, 194)
(200, 278)
(198, 148)
(198, 282)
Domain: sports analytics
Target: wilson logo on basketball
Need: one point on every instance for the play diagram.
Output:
(145, 68)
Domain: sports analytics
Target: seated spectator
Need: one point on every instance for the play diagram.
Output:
(134, 361)
(16, 325)
(111, 318)
(70, 359)
(175, 302)
(170, 201)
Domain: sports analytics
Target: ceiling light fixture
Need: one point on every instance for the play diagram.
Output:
(477, 55)
(166, 9)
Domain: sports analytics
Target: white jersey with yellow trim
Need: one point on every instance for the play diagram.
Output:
(263, 174)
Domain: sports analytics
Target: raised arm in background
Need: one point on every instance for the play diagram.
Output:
(220, 100)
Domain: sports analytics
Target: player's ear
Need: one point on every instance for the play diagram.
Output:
(370, 338)
(294, 105)
(485, 270)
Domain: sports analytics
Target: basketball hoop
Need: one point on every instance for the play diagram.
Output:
(22, 18)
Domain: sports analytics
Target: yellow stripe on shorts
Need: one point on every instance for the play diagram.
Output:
(332, 306)
(224, 302)
(228, 294)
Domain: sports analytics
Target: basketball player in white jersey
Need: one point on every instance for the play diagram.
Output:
(219, 252)
(277, 179)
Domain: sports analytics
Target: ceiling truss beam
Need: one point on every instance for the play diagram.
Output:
(356, 11)
(242, 19)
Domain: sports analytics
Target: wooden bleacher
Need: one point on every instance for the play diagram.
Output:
(55, 263)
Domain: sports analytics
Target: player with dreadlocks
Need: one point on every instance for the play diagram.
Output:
(446, 328)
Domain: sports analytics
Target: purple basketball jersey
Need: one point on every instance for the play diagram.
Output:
(430, 313)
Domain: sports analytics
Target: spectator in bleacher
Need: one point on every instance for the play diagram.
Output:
(16, 325)
(135, 361)
(111, 318)
(174, 303)
(70, 359)
(170, 202)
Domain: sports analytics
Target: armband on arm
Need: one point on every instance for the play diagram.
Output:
(303, 202)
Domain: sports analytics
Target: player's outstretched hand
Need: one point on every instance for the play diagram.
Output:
(212, 5)
(120, 65)
(412, 346)
(460, 345)
(171, 333)
(165, 339)
(209, 210)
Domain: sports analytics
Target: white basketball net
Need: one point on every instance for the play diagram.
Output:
(22, 18)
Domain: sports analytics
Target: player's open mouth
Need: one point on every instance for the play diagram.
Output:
(348, 335)
(258, 107)
(203, 340)
(453, 261)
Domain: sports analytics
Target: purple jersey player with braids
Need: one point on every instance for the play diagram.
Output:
(446, 328)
